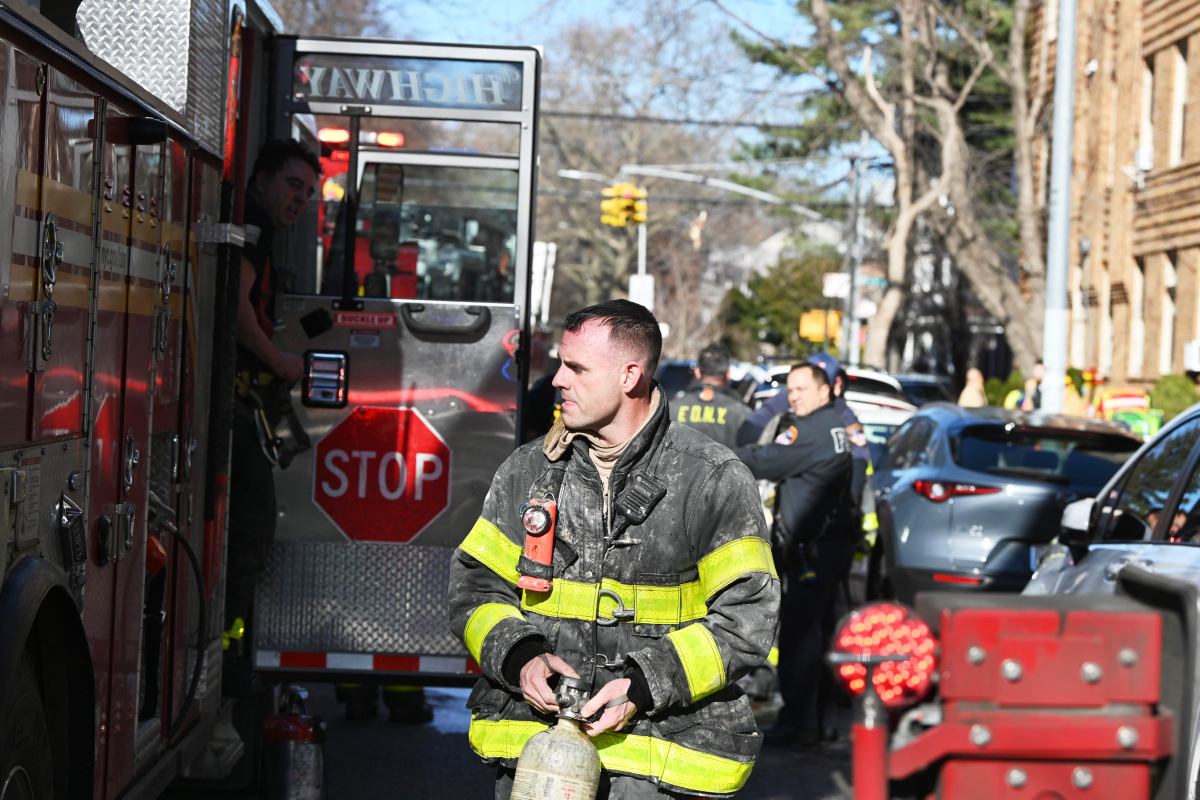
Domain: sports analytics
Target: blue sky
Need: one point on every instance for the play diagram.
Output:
(533, 22)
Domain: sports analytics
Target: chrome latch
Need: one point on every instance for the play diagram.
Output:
(40, 335)
(162, 315)
(133, 457)
(69, 518)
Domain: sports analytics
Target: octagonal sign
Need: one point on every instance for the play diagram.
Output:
(382, 474)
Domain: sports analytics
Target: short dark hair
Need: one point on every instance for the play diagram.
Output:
(819, 375)
(713, 361)
(276, 153)
(629, 324)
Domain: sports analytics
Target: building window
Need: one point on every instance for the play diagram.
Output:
(1137, 318)
(1166, 342)
(1179, 101)
(1145, 151)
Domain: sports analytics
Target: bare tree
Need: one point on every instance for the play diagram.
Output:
(916, 115)
(614, 82)
(343, 18)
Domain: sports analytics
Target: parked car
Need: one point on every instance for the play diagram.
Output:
(1147, 514)
(675, 375)
(969, 498)
(922, 389)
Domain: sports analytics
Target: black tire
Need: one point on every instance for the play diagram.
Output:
(26, 763)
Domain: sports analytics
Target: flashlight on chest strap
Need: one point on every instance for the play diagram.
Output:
(538, 518)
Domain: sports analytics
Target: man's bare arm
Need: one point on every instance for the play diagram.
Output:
(251, 336)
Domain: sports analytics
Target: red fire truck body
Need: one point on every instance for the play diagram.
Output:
(126, 135)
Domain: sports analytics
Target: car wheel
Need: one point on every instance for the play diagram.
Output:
(26, 766)
(879, 583)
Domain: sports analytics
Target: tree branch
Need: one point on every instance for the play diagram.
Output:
(965, 91)
(889, 114)
(980, 46)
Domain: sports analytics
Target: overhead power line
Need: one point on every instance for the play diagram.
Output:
(707, 123)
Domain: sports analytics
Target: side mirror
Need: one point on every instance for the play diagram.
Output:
(1076, 526)
(1077, 518)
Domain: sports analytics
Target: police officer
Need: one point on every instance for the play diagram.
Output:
(813, 531)
(860, 490)
(709, 405)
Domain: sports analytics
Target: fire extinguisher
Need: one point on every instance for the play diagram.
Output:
(293, 750)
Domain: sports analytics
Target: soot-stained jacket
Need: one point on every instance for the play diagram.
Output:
(698, 603)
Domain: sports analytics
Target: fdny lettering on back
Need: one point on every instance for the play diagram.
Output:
(707, 415)
(713, 410)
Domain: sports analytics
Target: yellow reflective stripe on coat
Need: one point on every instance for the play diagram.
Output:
(488, 545)
(734, 560)
(870, 522)
(481, 622)
(658, 605)
(773, 657)
(673, 764)
(701, 659)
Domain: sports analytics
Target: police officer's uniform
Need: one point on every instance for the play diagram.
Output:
(815, 536)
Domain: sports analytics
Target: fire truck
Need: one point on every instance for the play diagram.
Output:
(126, 135)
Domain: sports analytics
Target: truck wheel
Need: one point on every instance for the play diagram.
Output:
(26, 767)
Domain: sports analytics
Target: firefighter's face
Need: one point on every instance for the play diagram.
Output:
(595, 378)
(805, 395)
(285, 195)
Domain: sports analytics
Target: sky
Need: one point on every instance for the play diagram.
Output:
(528, 22)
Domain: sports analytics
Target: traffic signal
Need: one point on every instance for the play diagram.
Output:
(821, 325)
(613, 208)
(637, 205)
(623, 203)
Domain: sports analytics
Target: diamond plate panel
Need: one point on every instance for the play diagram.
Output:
(362, 597)
(207, 61)
(146, 40)
(175, 49)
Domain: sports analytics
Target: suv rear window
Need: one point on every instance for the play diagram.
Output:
(1084, 462)
(858, 383)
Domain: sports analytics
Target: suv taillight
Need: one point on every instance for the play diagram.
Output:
(941, 491)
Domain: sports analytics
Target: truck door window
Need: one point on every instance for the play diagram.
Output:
(424, 232)
(1134, 507)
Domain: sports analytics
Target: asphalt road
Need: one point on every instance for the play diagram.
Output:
(376, 758)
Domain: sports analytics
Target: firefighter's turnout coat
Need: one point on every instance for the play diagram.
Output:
(698, 602)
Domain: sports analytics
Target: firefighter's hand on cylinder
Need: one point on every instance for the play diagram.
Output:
(289, 367)
(612, 698)
(534, 685)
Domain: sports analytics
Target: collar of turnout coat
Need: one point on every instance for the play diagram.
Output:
(559, 440)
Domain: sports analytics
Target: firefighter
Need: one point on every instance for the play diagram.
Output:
(709, 405)
(662, 588)
(283, 180)
(814, 536)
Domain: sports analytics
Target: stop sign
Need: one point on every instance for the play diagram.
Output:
(382, 474)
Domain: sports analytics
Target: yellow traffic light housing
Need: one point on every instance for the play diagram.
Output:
(624, 203)
(613, 210)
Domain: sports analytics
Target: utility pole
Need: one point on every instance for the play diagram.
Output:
(1054, 336)
(857, 185)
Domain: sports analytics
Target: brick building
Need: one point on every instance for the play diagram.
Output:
(1135, 241)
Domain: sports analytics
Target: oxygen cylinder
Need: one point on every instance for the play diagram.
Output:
(560, 763)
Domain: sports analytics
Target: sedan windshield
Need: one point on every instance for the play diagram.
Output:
(1082, 461)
